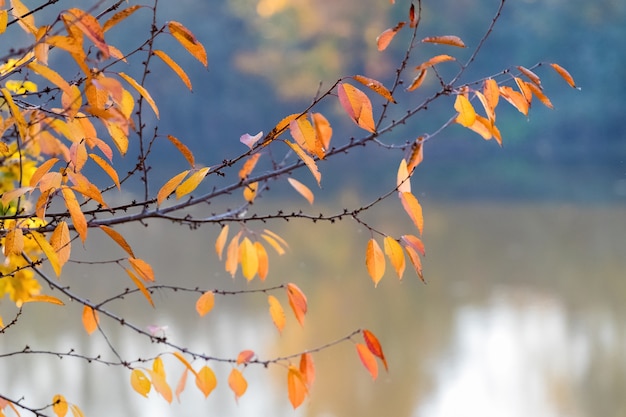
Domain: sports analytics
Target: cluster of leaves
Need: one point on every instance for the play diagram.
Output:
(54, 154)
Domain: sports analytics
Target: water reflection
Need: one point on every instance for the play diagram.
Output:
(522, 315)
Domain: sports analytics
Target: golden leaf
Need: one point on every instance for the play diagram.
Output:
(413, 209)
(261, 254)
(170, 186)
(206, 381)
(188, 41)
(61, 242)
(160, 385)
(530, 75)
(302, 189)
(142, 268)
(142, 91)
(232, 255)
(184, 150)
(307, 369)
(564, 74)
(244, 356)
(308, 161)
(376, 86)
(393, 250)
(403, 181)
(438, 59)
(374, 261)
(174, 66)
(237, 383)
(50, 75)
(249, 259)
(59, 405)
(248, 166)
(220, 242)
(417, 81)
(140, 286)
(205, 303)
(140, 382)
(14, 242)
(445, 40)
(305, 135)
(106, 167)
(515, 98)
(192, 182)
(467, 114)
(276, 313)
(90, 26)
(41, 298)
(357, 105)
(539, 94)
(415, 261)
(119, 16)
(249, 191)
(323, 130)
(384, 39)
(182, 382)
(28, 22)
(297, 302)
(48, 250)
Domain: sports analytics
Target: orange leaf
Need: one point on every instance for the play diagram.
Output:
(50, 75)
(42, 298)
(160, 385)
(375, 261)
(244, 356)
(180, 387)
(308, 161)
(14, 194)
(376, 86)
(415, 260)
(467, 114)
(206, 381)
(445, 40)
(277, 242)
(368, 360)
(374, 346)
(142, 268)
(184, 150)
(539, 94)
(141, 287)
(564, 74)
(357, 105)
(296, 387)
(393, 250)
(106, 167)
(304, 134)
(524, 89)
(307, 369)
(59, 405)
(90, 319)
(14, 242)
(403, 181)
(415, 242)
(237, 383)
(491, 93)
(170, 186)
(72, 100)
(530, 75)
(413, 209)
(119, 16)
(188, 41)
(515, 98)
(88, 25)
(232, 255)
(438, 59)
(28, 21)
(61, 242)
(119, 239)
(417, 154)
(221, 241)
(192, 182)
(249, 259)
(49, 251)
(248, 166)
(302, 189)
(140, 382)
(261, 254)
(184, 361)
(417, 81)
(323, 130)
(249, 192)
(142, 91)
(384, 39)
(205, 303)
(175, 67)
(277, 313)
(41, 171)
(297, 301)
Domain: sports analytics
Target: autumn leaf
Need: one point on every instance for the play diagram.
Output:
(530, 75)
(142, 91)
(376, 86)
(140, 286)
(297, 302)
(244, 357)
(415, 261)
(182, 382)
(232, 255)
(302, 189)
(415, 242)
(539, 94)
(491, 92)
(524, 89)
(516, 99)
(263, 259)
(41, 171)
(307, 369)
(14, 242)
(249, 259)
(445, 40)
(304, 134)
(90, 319)
(357, 105)
(393, 250)
(160, 385)
(564, 74)
(142, 268)
(374, 261)
(237, 383)
(276, 313)
(374, 346)
(368, 360)
(248, 166)
(413, 209)
(48, 250)
(418, 80)
(120, 16)
(42, 298)
(174, 66)
(169, 187)
(27, 22)
(118, 238)
(384, 39)
(308, 161)
(296, 387)
(188, 41)
(192, 182)
(249, 191)
(90, 26)
(140, 382)
(278, 243)
(438, 59)
(403, 181)
(416, 156)
(323, 130)
(59, 405)
(108, 169)
(206, 380)
(183, 149)
(220, 242)
(467, 114)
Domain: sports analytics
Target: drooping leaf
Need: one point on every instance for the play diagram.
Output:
(278, 243)
(244, 357)
(277, 313)
(374, 261)
(384, 39)
(418, 80)
(232, 255)
(305, 136)
(376, 86)
(20, 122)
(118, 238)
(220, 242)
(90, 27)
(263, 259)
(413, 209)
(249, 259)
(42, 170)
(394, 252)
(72, 100)
(296, 387)
(49, 251)
(175, 67)
(491, 92)
(297, 302)
(206, 380)
(184, 361)
(237, 383)
(374, 346)
(106, 167)
(140, 286)
(438, 59)
(516, 99)
(183, 149)
(564, 74)
(445, 40)
(61, 242)
(59, 405)
(357, 105)
(160, 385)
(416, 155)
(467, 114)
(142, 91)
(50, 75)
(302, 189)
(14, 242)
(188, 41)
(415, 261)
(90, 319)
(307, 369)
(323, 130)
(415, 242)
(119, 16)
(14, 194)
(249, 191)
(169, 187)
(140, 382)
(308, 161)
(42, 298)
(18, 9)
(4, 19)
(539, 94)
(524, 89)
(76, 411)
(403, 182)
(248, 166)
(368, 360)
(182, 382)
(192, 182)
(530, 75)
(142, 268)
(205, 303)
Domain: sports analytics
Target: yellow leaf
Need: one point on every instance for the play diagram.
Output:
(445, 40)
(261, 254)
(59, 405)
(277, 313)
(41, 170)
(14, 242)
(157, 367)
(119, 16)
(413, 209)
(170, 186)
(403, 182)
(192, 182)
(61, 242)
(48, 250)
(140, 382)
(90, 26)
(78, 218)
(237, 383)
(175, 67)
(244, 356)
(206, 381)
(277, 242)
(205, 303)
(367, 359)
(415, 260)
(4, 19)
(564, 74)
(184, 150)
(467, 114)
(221, 241)
(40, 298)
(357, 105)
(140, 286)
(323, 130)
(71, 101)
(106, 167)
(20, 122)
(142, 268)
(184, 361)
(384, 39)
(188, 41)
(50, 75)
(248, 166)
(297, 302)
(376, 86)
(515, 98)
(308, 161)
(14, 194)
(249, 259)
(418, 80)
(524, 89)
(249, 191)
(491, 93)
(232, 255)
(302, 189)
(142, 91)
(90, 319)
(28, 21)
(304, 134)
(296, 387)
(393, 250)
(76, 411)
(438, 59)
(374, 261)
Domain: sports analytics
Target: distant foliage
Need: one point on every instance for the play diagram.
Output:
(63, 137)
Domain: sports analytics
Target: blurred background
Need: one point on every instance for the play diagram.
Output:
(523, 310)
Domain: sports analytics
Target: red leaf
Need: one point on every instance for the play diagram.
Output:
(374, 346)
